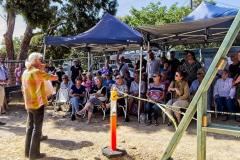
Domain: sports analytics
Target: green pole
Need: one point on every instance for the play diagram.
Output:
(201, 135)
(211, 73)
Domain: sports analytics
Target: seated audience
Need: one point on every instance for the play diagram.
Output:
(167, 69)
(180, 95)
(134, 90)
(128, 79)
(196, 83)
(106, 68)
(77, 94)
(224, 93)
(97, 98)
(120, 86)
(60, 72)
(108, 81)
(234, 67)
(190, 66)
(88, 84)
(156, 93)
(66, 83)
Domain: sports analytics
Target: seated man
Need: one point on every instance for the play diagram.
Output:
(196, 83)
(77, 94)
(156, 93)
(224, 93)
(120, 86)
(134, 90)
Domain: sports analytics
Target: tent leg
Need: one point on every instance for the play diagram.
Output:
(140, 81)
(148, 48)
(44, 51)
(88, 61)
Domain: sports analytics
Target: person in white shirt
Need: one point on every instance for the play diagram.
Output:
(134, 89)
(153, 65)
(224, 93)
(122, 66)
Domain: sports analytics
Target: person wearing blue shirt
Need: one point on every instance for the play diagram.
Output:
(77, 94)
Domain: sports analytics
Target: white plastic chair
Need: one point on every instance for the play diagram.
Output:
(62, 98)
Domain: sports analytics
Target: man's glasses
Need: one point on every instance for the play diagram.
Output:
(176, 75)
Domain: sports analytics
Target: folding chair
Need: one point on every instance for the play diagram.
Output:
(62, 98)
(124, 107)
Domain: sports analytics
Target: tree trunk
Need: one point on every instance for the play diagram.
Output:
(8, 36)
(25, 43)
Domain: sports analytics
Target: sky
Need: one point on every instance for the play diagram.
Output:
(123, 9)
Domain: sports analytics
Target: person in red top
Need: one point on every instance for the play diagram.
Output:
(156, 93)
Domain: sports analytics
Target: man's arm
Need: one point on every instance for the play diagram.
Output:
(42, 75)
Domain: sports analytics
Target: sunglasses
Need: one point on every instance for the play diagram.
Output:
(176, 75)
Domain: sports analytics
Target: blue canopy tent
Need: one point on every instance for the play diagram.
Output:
(207, 23)
(109, 34)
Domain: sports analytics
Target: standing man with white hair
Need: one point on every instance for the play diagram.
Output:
(35, 97)
(122, 66)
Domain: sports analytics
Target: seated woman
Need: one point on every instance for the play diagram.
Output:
(120, 86)
(134, 89)
(97, 97)
(108, 81)
(180, 94)
(88, 84)
(66, 84)
(156, 93)
(77, 94)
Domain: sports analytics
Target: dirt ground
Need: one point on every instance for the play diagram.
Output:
(76, 140)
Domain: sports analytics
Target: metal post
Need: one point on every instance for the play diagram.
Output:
(44, 51)
(148, 48)
(210, 75)
(140, 81)
(88, 61)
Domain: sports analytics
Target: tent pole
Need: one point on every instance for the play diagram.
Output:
(44, 51)
(88, 61)
(148, 48)
(140, 81)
